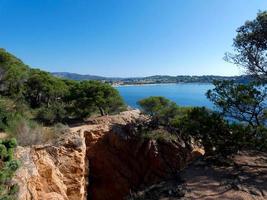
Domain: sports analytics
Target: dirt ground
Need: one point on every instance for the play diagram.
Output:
(244, 179)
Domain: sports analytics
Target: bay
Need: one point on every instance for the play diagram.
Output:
(183, 94)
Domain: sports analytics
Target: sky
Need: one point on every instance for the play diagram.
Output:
(125, 38)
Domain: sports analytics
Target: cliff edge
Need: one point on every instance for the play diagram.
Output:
(98, 160)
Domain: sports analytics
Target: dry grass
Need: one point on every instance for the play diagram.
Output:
(30, 133)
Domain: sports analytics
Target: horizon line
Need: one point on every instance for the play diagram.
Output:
(103, 76)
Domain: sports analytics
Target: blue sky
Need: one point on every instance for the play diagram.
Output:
(125, 37)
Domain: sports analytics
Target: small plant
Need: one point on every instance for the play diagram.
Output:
(51, 134)
(61, 128)
(26, 132)
(159, 135)
(8, 167)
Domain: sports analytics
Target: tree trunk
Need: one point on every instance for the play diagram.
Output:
(102, 112)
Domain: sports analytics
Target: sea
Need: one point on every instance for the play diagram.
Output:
(183, 94)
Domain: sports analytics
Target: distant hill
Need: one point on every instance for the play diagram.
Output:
(75, 76)
(153, 79)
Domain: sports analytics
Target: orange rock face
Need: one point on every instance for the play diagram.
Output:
(98, 161)
(53, 172)
(120, 162)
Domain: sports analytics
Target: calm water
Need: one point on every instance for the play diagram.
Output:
(184, 94)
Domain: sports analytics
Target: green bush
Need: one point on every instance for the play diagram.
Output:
(159, 135)
(7, 112)
(209, 128)
(163, 111)
(11, 110)
(52, 114)
(219, 136)
(3, 152)
(7, 169)
(246, 136)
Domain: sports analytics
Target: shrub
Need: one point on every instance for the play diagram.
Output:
(246, 136)
(52, 114)
(7, 169)
(6, 112)
(60, 128)
(10, 110)
(219, 136)
(162, 111)
(26, 132)
(3, 151)
(51, 134)
(209, 128)
(159, 135)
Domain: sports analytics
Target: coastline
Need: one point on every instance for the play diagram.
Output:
(155, 84)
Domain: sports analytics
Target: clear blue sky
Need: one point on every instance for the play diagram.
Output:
(125, 37)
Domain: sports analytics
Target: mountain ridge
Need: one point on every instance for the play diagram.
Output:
(153, 79)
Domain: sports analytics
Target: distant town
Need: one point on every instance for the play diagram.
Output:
(157, 79)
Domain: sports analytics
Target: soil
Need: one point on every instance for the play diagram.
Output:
(243, 178)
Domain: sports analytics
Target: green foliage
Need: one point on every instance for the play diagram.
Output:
(91, 96)
(217, 136)
(172, 121)
(209, 128)
(163, 111)
(249, 137)
(13, 74)
(35, 94)
(43, 88)
(245, 103)
(7, 169)
(9, 110)
(54, 113)
(5, 116)
(153, 106)
(159, 135)
(3, 152)
(251, 46)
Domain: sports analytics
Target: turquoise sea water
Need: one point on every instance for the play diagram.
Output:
(184, 94)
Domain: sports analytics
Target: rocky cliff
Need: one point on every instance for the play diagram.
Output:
(53, 171)
(100, 160)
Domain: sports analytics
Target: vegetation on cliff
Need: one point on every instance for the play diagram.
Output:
(8, 166)
(240, 118)
(217, 135)
(32, 95)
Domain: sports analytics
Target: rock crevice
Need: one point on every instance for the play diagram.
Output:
(99, 161)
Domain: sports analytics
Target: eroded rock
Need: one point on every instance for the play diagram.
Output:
(99, 160)
(53, 172)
